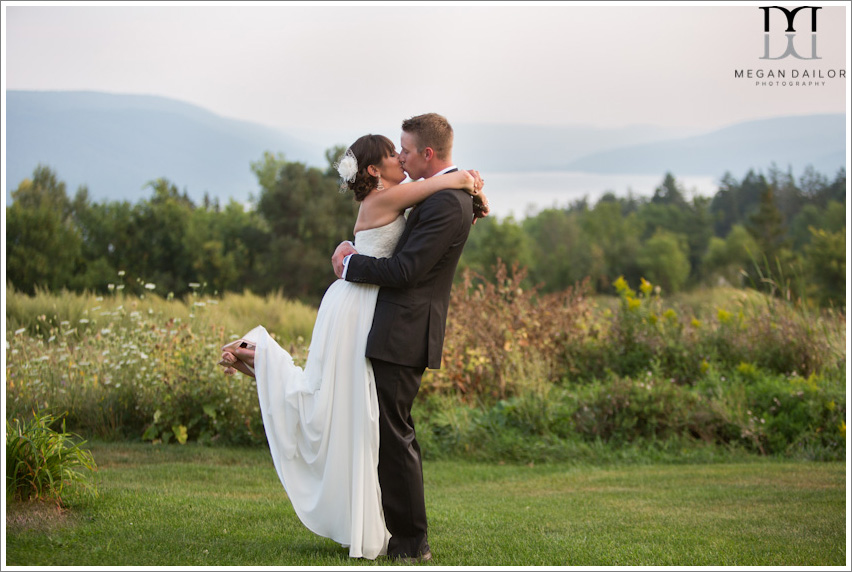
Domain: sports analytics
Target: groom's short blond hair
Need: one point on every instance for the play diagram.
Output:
(431, 130)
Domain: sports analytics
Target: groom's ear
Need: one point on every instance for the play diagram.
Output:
(428, 153)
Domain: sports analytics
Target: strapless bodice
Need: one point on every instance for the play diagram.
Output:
(380, 242)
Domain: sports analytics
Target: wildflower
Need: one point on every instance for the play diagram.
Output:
(646, 287)
(194, 285)
(121, 272)
(84, 321)
(842, 428)
(633, 303)
(620, 284)
(723, 316)
(110, 286)
(20, 331)
(696, 323)
(149, 286)
(670, 315)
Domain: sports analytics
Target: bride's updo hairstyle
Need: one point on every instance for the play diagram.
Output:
(369, 150)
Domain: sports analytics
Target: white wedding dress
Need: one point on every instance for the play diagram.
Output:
(322, 422)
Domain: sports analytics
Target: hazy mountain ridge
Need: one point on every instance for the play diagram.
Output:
(115, 144)
(796, 142)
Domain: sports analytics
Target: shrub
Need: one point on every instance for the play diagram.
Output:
(42, 463)
(624, 409)
(501, 336)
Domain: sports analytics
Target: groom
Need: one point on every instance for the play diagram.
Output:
(407, 335)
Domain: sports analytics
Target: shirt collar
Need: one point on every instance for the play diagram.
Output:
(447, 170)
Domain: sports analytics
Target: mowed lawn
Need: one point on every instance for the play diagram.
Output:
(215, 506)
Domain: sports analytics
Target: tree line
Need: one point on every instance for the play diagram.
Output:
(768, 231)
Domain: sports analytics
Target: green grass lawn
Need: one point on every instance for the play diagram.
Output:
(210, 506)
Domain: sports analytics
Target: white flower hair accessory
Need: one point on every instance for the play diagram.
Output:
(347, 168)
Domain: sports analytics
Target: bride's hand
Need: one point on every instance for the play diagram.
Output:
(227, 361)
(466, 181)
(480, 206)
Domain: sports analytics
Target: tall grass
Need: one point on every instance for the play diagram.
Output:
(141, 367)
(43, 463)
(525, 375)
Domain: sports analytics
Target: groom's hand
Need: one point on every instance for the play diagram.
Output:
(343, 250)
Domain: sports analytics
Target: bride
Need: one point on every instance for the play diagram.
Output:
(322, 422)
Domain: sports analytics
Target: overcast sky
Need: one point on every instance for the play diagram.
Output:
(364, 67)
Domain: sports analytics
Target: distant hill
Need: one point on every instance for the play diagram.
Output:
(796, 141)
(114, 144)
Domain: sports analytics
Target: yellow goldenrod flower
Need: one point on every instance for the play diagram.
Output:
(646, 287)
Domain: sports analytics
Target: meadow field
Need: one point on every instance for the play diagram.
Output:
(562, 429)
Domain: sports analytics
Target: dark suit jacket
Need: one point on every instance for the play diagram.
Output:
(411, 310)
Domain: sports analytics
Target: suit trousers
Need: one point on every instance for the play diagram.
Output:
(400, 466)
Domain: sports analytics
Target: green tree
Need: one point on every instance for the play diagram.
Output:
(663, 260)
(307, 218)
(612, 240)
(669, 193)
(767, 225)
(734, 202)
(43, 245)
(492, 240)
(559, 256)
(826, 260)
(158, 253)
(670, 210)
(104, 228)
(727, 259)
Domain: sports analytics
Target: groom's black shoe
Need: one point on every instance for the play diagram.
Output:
(417, 556)
(419, 559)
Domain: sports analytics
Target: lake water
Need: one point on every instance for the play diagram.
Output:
(522, 194)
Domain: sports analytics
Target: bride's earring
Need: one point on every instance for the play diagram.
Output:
(380, 186)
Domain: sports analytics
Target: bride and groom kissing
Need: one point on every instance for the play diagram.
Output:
(340, 430)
